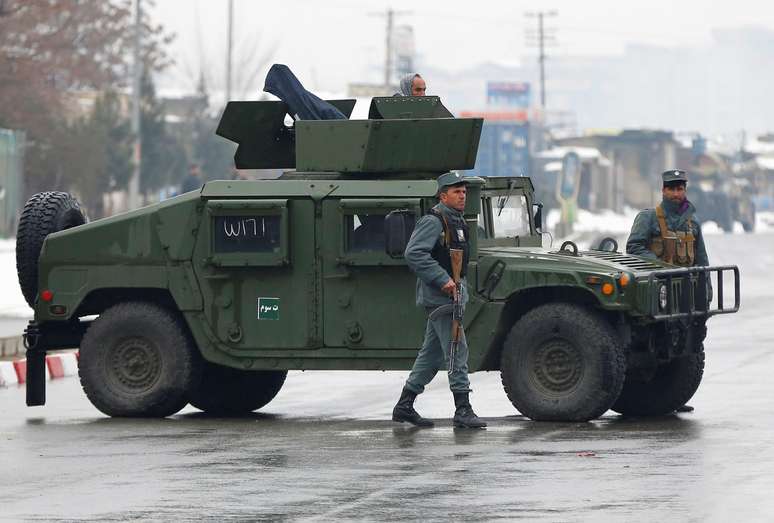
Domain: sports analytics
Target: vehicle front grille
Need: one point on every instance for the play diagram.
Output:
(629, 261)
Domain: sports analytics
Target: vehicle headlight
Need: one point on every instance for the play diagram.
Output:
(662, 297)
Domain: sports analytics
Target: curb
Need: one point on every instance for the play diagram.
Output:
(57, 366)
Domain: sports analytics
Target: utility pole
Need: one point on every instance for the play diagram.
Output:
(229, 45)
(544, 37)
(389, 44)
(134, 181)
(388, 47)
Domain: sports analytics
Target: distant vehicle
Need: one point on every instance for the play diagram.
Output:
(210, 297)
(723, 208)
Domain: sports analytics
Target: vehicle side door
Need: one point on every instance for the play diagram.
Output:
(368, 297)
(255, 261)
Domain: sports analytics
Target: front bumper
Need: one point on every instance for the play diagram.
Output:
(689, 293)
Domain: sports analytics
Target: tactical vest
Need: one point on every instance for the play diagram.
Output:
(675, 247)
(454, 236)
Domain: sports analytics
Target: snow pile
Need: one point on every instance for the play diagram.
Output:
(609, 223)
(605, 222)
(12, 304)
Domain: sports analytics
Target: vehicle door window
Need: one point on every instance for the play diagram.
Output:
(510, 216)
(364, 231)
(247, 234)
(483, 233)
(363, 240)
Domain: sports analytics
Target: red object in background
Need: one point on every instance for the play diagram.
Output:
(55, 366)
(21, 370)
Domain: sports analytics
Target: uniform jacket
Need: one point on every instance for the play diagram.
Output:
(430, 275)
(646, 227)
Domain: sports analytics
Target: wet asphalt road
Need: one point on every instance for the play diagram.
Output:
(326, 450)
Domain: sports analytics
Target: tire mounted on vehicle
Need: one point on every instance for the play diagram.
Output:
(137, 360)
(43, 214)
(225, 391)
(562, 362)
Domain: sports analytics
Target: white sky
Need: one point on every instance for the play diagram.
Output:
(330, 43)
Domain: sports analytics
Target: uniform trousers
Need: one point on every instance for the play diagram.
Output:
(434, 355)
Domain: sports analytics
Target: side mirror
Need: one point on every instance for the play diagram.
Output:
(538, 216)
(398, 226)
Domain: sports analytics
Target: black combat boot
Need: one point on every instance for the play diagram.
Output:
(464, 415)
(404, 410)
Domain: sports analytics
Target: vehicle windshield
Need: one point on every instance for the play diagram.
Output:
(510, 216)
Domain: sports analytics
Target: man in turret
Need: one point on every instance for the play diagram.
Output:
(428, 255)
(670, 232)
(412, 84)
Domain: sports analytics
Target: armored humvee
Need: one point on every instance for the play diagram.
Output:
(210, 297)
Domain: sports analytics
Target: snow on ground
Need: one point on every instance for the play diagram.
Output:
(591, 227)
(12, 304)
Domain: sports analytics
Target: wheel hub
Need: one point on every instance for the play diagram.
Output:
(134, 364)
(557, 366)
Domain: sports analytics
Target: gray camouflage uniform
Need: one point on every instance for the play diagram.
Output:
(430, 278)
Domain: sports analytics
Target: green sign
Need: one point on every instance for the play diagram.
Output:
(268, 308)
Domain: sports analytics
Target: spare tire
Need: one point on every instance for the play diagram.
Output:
(44, 213)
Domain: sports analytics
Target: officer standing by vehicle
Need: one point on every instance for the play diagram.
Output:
(428, 256)
(670, 232)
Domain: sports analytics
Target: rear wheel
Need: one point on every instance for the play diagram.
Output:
(669, 387)
(225, 391)
(562, 362)
(137, 360)
(43, 214)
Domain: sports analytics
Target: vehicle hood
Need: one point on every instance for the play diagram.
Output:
(536, 258)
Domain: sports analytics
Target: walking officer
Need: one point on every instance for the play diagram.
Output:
(428, 256)
(670, 232)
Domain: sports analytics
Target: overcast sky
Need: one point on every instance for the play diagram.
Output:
(331, 43)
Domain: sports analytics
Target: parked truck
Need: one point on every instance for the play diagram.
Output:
(210, 298)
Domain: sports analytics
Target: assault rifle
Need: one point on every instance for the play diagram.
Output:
(457, 312)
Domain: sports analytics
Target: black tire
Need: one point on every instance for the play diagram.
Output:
(562, 362)
(225, 391)
(44, 213)
(670, 387)
(137, 360)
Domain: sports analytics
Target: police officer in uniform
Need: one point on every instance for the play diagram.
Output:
(670, 232)
(427, 255)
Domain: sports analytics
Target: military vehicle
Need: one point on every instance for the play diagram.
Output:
(211, 297)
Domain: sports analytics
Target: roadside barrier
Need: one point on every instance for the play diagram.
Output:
(12, 347)
(58, 366)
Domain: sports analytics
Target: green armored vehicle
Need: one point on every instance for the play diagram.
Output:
(211, 297)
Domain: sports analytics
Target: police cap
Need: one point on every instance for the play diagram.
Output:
(450, 178)
(674, 176)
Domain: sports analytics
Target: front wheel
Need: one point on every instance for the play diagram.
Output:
(232, 392)
(562, 362)
(136, 360)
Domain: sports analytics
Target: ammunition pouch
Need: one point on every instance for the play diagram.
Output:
(674, 247)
